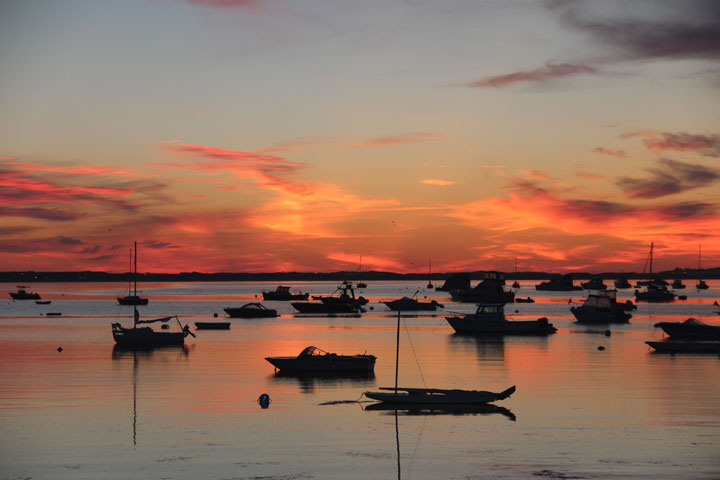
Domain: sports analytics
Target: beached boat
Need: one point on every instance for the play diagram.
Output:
(594, 284)
(558, 283)
(251, 310)
(432, 396)
(601, 307)
(407, 304)
(685, 346)
(283, 293)
(132, 298)
(313, 359)
(490, 290)
(212, 325)
(654, 293)
(146, 336)
(489, 319)
(622, 283)
(690, 329)
(23, 294)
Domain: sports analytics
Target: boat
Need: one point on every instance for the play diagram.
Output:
(558, 283)
(489, 319)
(524, 300)
(691, 328)
(601, 307)
(594, 284)
(701, 285)
(652, 281)
(654, 293)
(342, 300)
(456, 281)
(407, 304)
(212, 325)
(146, 336)
(515, 283)
(490, 290)
(360, 284)
(430, 285)
(622, 283)
(283, 293)
(677, 284)
(685, 346)
(251, 310)
(23, 294)
(43, 302)
(432, 396)
(313, 359)
(133, 298)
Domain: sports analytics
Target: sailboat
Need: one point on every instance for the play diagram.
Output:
(515, 283)
(430, 286)
(701, 285)
(142, 336)
(432, 396)
(360, 284)
(133, 298)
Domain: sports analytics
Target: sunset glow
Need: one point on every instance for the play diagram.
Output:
(559, 133)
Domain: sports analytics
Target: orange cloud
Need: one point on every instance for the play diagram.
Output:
(438, 182)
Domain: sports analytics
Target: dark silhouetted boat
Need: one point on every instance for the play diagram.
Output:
(677, 284)
(594, 284)
(212, 325)
(690, 329)
(524, 300)
(432, 396)
(489, 319)
(558, 283)
(602, 307)
(43, 302)
(313, 359)
(343, 300)
(23, 294)
(146, 336)
(132, 298)
(456, 281)
(407, 304)
(283, 293)
(686, 346)
(251, 310)
(622, 283)
(655, 293)
(490, 290)
(701, 285)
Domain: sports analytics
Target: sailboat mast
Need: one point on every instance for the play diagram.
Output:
(652, 244)
(397, 352)
(130, 271)
(135, 272)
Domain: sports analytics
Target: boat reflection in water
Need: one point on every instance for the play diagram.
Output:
(458, 409)
(309, 382)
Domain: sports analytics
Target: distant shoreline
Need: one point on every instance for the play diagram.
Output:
(92, 276)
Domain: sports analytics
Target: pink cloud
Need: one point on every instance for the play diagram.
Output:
(414, 137)
(438, 182)
(612, 153)
(548, 71)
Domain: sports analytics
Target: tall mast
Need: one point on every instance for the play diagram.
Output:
(652, 244)
(397, 352)
(130, 272)
(135, 272)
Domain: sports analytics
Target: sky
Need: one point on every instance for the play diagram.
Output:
(405, 136)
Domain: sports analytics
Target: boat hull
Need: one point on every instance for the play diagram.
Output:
(146, 337)
(132, 300)
(250, 313)
(412, 306)
(285, 297)
(590, 315)
(675, 346)
(24, 296)
(432, 396)
(212, 325)
(695, 332)
(324, 363)
(319, 307)
(471, 326)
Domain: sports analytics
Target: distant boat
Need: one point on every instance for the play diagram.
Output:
(524, 300)
(133, 298)
(489, 319)
(147, 337)
(313, 359)
(343, 300)
(430, 286)
(432, 396)
(558, 283)
(23, 294)
(685, 346)
(283, 293)
(212, 325)
(43, 302)
(690, 329)
(654, 293)
(456, 281)
(515, 283)
(622, 283)
(407, 304)
(701, 285)
(677, 284)
(594, 284)
(251, 310)
(601, 307)
(490, 290)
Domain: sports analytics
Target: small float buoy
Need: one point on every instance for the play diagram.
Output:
(165, 327)
(264, 400)
(601, 348)
(607, 333)
(59, 349)
(215, 315)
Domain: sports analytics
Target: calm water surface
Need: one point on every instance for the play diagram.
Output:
(92, 411)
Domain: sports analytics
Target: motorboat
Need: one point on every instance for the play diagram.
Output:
(407, 304)
(456, 281)
(23, 294)
(685, 346)
(145, 336)
(489, 319)
(212, 325)
(251, 310)
(622, 283)
(594, 284)
(558, 283)
(490, 290)
(313, 359)
(677, 284)
(601, 307)
(701, 285)
(524, 300)
(343, 300)
(283, 293)
(691, 328)
(654, 293)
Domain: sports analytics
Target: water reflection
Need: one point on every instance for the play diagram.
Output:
(309, 382)
(455, 410)
(486, 348)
